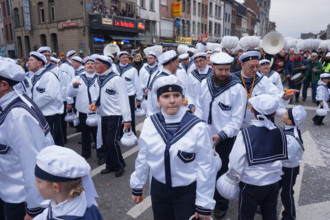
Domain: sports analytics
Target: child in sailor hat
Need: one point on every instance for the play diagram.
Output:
(322, 96)
(292, 118)
(62, 176)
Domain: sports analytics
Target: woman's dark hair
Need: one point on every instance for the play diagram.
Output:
(256, 113)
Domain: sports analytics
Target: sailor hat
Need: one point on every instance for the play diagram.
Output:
(297, 115)
(221, 59)
(70, 53)
(44, 49)
(104, 59)
(325, 75)
(77, 59)
(152, 53)
(263, 61)
(168, 56)
(184, 56)
(264, 104)
(39, 57)
(122, 53)
(167, 84)
(199, 55)
(12, 71)
(89, 58)
(250, 55)
(53, 59)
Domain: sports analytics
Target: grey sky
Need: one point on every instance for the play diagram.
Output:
(294, 17)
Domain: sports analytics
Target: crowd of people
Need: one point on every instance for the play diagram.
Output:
(209, 135)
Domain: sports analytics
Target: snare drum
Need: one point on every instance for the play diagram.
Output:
(298, 78)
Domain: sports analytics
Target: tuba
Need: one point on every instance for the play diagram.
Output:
(273, 43)
(111, 49)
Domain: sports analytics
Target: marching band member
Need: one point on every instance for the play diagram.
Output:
(46, 93)
(84, 87)
(292, 118)
(130, 75)
(67, 67)
(255, 159)
(220, 105)
(176, 148)
(186, 63)
(113, 107)
(195, 78)
(78, 66)
(67, 184)
(271, 74)
(23, 133)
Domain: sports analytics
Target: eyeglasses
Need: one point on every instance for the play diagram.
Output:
(199, 61)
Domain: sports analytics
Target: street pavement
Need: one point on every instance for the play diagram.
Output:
(312, 193)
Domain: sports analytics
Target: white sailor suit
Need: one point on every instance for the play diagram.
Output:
(114, 109)
(194, 80)
(131, 77)
(276, 80)
(222, 109)
(147, 73)
(83, 94)
(46, 93)
(177, 150)
(290, 171)
(322, 95)
(256, 157)
(190, 67)
(23, 133)
(71, 209)
(262, 85)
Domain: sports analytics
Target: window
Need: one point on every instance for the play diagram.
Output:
(19, 47)
(151, 5)
(183, 5)
(184, 28)
(210, 27)
(142, 4)
(7, 33)
(219, 12)
(198, 28)
(53, 38)
(8, 11)
(27, 45)
(228, 18)
(210, 8)
(194, 27)
(4, 10)
(150, 28)
(199, 9)
(219, 29)
(194, 8)
(16, 17)
(188, 6)
(216, 11)
(164, 2)
(43, 40)
(52, 10)
(215, 29)
(202, 10)
(205, 11)
(41, 12)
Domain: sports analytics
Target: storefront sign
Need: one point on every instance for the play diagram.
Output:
(107, 21)
(69, 24)
(176, 9)
(178, 23)
(122, 22)
(183, 40)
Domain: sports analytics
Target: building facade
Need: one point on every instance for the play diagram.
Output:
(227, 21)
(8, 28)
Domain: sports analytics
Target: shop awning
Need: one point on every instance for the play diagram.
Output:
(116, 37)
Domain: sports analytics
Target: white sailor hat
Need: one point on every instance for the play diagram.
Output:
(209, 52)
(39, 57)
(199, 55)
(122, 53)
(325, 75)
(314, 54)
(61, 164)
(104, 59)
(249, 55)
(153, 53)
(296, 52)
(264, 104)
(328, 54)
(53, 59)
(167, 84)
(297, 115)
(89, 58)
(263, 61)
(168, 56)
(10, 70)
(70, 53)
(221, 59)
(77, 59)
(184, 56)
(44, 49)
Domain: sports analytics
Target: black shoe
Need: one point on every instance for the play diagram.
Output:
(119, 172)
(219, 214)
(304, 100)
(290, 102)
(106, 170)
(258, 210)
(101, 161)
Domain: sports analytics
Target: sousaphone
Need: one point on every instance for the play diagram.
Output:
(273, 43)
(111, 49)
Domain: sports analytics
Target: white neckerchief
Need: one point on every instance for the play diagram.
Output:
(122, 65)
(204, 71)
(177, 117)
(90, 75)
(39, 71)
(75, 207)
(152, 65)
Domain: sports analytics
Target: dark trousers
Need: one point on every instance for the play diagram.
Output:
(64, 124)
(223, 148)
(318, 119)
(12, 211)
(172, 203)
(110, 127)
(288, 180)
(293, 86)
(56, 129)
(87, 134)
(307, 82)
(251, 196)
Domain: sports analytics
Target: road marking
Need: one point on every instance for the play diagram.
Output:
(73, 135)
(140, 208)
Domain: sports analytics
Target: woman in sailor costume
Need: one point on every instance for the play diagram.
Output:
(62, 176)
(256, 84)
(220, 105)
(175, 147)
(292, 118)
(255, 159)
(83, 87)
(113, 107)
(23, 133)
(271, 74)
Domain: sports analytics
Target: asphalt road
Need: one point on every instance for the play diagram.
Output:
(312, 193)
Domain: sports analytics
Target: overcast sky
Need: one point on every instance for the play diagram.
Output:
(294, 17)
